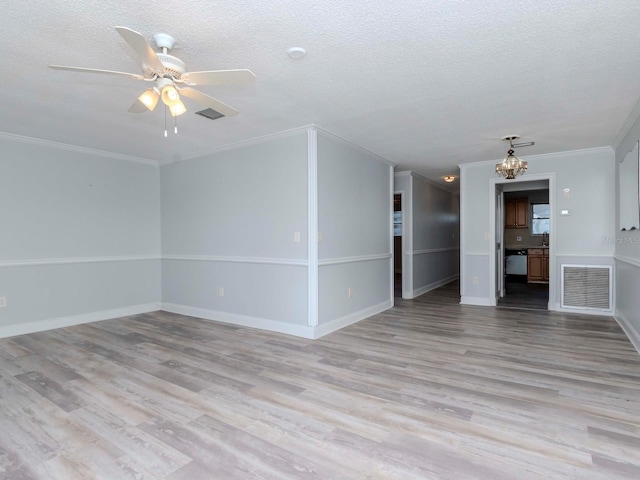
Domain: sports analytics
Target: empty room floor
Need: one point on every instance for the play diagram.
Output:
(429, 389)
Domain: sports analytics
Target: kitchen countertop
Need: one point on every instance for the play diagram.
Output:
(523, 247)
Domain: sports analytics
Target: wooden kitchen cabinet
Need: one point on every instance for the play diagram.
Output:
(538, 265)
(516, 213)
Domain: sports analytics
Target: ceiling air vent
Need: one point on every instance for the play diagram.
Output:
(210, 113)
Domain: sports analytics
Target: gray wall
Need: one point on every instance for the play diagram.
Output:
(583, 237)
(80, 236)
(627, 254)
(436, 239)
(229, 221)
(87, 236)
(432, 242)
(354, 223)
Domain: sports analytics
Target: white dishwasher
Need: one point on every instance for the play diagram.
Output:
(516, 262)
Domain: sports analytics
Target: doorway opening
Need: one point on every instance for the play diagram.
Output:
(523, 231)
(398, 229)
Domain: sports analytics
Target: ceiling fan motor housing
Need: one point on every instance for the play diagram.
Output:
(172, 65)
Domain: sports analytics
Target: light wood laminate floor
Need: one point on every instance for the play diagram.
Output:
(427, 390)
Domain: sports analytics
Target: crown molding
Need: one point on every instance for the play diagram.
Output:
(270, 137)
(338, 139)
(541, 156)
(75, 148)
(628, 124)
(242, 143)
(433, 183)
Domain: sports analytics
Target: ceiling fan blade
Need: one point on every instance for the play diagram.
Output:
(208, 101)
(138, 107)
(142, 48)
(96, 70)
(219, 77)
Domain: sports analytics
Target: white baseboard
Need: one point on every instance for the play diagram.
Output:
(61, 322)
(304, 331)
(481, 301)
(629, 330)
(580, 311)
(338, 323)
(433, 285)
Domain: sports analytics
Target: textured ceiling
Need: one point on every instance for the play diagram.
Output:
(426, 84)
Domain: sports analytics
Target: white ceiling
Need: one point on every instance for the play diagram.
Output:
(426, 84)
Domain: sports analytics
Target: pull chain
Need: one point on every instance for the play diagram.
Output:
(165, 121)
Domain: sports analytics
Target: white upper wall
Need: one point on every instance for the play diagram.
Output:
(590, 177)
(247, 201)
(61, 203)
(353, 200)
(436, 216)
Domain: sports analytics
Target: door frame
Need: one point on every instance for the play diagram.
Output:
(494, 273)
(499, 241)
(403, 244)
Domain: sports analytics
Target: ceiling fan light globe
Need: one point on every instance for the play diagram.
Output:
(177, 109)
(149, 99)
(170, 95)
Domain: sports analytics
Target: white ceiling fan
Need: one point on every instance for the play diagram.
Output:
(169, 76)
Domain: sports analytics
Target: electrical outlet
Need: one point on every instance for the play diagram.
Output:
(475, 280)
(486, 235)
(518, 238)
(296, 237)
(349, 292)
(3, 302)
(221, 292)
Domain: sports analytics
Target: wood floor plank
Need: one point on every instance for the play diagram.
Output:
(429, 389)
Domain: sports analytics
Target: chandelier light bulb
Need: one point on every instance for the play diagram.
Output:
(511, 166)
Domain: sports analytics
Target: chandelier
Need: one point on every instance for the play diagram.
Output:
(512, 166)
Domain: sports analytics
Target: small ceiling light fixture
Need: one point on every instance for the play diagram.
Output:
(449, 178)
(512, 166)
(296, 52)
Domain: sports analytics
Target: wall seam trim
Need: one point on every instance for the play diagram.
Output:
(356, 259)
(628, 260)
(75, 260)
(312, 203)
(233, 259)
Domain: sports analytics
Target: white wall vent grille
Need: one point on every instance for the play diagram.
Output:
(587, 287)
